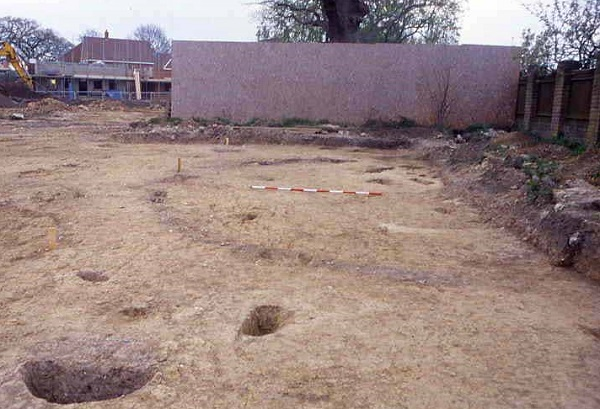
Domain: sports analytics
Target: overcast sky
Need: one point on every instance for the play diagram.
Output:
(484, 22)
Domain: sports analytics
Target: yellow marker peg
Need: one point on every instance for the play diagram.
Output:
(52, 238)
(226, 141)
(178, 165)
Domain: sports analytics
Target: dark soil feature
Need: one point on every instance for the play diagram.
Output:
(380, 169)
(66, 382)
(264, 320)
(136, 311)
(93, 276)
(307, 397)
(380, 181)
(178, 178)
(411, 167)
(247, 217)
(422, 181)
(282, 255)
(443, 210)
(288, 161)
(34, 172)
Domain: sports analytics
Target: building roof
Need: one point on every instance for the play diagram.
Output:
(113, 50)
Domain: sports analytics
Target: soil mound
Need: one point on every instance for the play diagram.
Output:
(6, 102)
(106, 105)
(46, 106)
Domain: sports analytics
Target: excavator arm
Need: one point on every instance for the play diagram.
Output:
(8, 51)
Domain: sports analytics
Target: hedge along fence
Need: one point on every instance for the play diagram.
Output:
(452, 86)
(566, 102)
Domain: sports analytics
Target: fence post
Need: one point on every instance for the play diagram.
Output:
(591, 136)
(530, 98)
(561, 95)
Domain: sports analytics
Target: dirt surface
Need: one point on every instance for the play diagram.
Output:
(44, 107)
(545, 191)
(408, 300)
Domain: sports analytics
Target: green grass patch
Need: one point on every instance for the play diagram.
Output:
(539, 192)
(174, 120)
(577, 148)
(542, 179)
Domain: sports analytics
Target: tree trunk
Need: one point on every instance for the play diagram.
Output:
(343, 19)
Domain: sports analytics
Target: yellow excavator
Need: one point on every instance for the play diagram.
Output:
(8, 51)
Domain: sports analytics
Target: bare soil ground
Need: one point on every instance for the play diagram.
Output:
(192, 290)
(546, 191)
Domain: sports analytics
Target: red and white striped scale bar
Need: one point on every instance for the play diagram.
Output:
(311, 190)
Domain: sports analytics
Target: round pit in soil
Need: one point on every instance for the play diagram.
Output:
(67, 382)
(264, 320)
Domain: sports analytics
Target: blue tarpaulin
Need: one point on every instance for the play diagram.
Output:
(114, 94)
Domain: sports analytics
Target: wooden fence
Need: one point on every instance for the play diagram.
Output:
(565, 102)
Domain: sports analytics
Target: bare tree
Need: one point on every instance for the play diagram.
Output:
(374, 21)
(32, 40)
(90, 32)
(443, 96)
(438, 87)
(571, 31)
(155, 35)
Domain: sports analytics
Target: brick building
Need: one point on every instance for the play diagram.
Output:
(105, 67)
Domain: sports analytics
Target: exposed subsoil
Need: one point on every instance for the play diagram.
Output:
(190, 132)
(485, 167)
(544, 192)
(223, 296)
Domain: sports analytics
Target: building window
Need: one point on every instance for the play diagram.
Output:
(112, 85)
(98, 84)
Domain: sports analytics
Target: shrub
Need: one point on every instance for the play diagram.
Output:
(541, 179)
(577, 148)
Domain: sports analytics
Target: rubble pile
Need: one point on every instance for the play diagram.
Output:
(6, 102)
(46, 106)
(106, 105)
